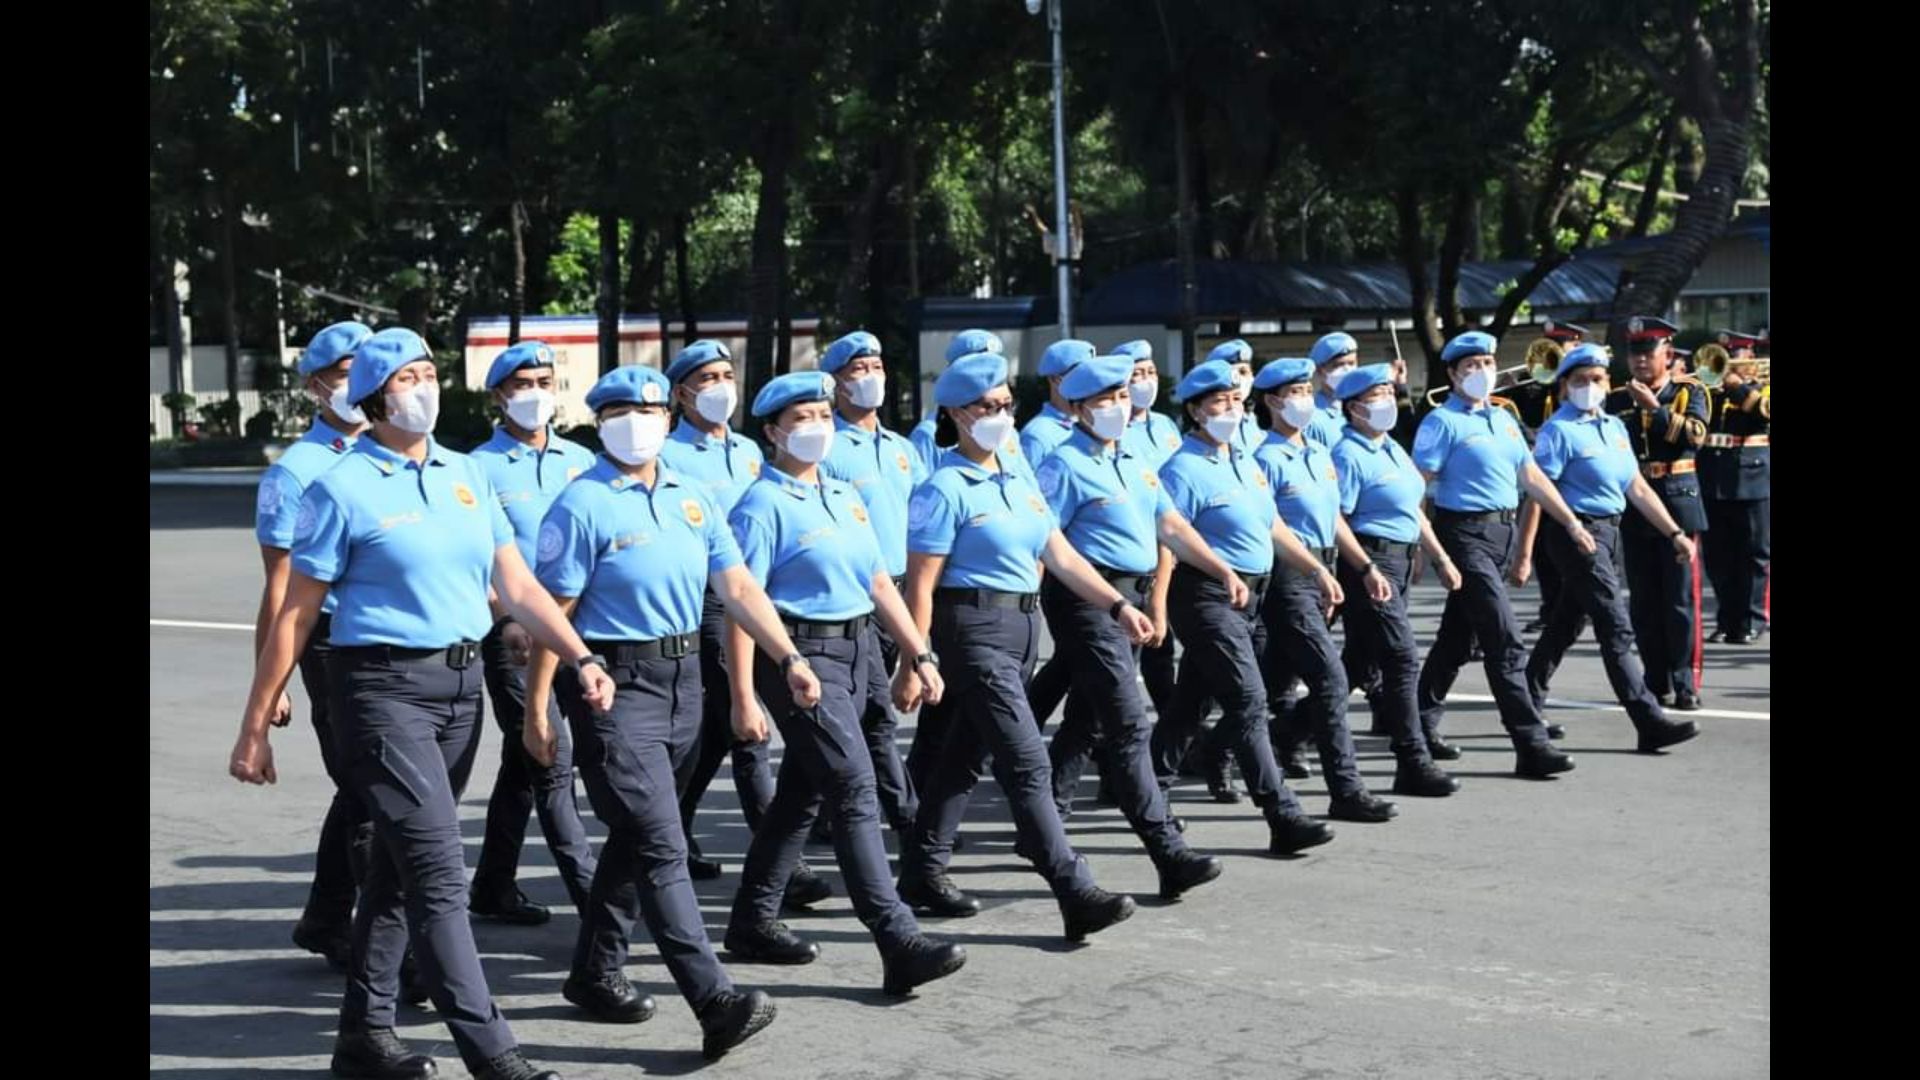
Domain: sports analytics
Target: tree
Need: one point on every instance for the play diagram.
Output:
(1708, 59)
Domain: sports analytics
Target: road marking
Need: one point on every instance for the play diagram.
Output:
(179, 624)
(1594, 706)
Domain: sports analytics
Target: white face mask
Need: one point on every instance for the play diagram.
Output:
(990, 432)
(716, 403)
(1224, 426)
(1108, 421)
(1587, 396)
(810, 441)
(1381, 415)
(531, 410)
(1333, 377)
(337, 404)
(1297, 412)
(867, 391)
(1245, 384)
(1144, 393)
(415, 410)
(634, 438)
(1477, 385)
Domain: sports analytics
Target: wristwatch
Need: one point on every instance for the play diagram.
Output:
(591, 658)
(793, 658)
(925, 658)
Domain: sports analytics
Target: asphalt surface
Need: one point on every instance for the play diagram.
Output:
(1614, 922)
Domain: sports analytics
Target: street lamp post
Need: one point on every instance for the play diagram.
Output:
(1062, 239)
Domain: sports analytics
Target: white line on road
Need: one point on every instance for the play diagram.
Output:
(178, 624)
(1594, 706)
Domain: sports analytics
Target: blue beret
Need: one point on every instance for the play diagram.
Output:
(524, 355)
(631, 383)
(1063, 356)
(1471, 343)
(1205, 379)
(332, 345)
(1332, 347)
(791, 388)
(968, 379)
(968, 342)
(849, 348)
(379, 357)
(1096, 375)
(1588, 355)
(1233, 352)
(694, 357)
(1364, 378)
(1278, 373)
(1136, 350)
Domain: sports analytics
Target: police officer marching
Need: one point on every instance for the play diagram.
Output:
(528, 465)
(1666, 419)
(704, 450)
(883, 470)
(1476, 457)
(1224, 491)
(1380, 492)
(630, 551)
(325, 926)
(1586, 452)
(809, 538)
(978, 534)
(411, 537)
(1112, 508)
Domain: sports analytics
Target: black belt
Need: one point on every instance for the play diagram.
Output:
(632, 652)
(1381, 543)
(1329, 557)
(816, 631)
(1504, 517)
(1600, 519)
(1256, 584)
(459, 656)
(988, 598)
(1125, 579)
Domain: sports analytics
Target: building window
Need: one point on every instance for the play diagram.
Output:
(1746, 312)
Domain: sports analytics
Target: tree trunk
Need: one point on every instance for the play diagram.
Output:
(1658, 278)
(861, 221)
(517, 304)
(229, 293)
(683, 282)
(639, 291)
(1514, 216)
(1413, 259)
(539, 239)
(910, 206)
(769, 244)
(1453, 247)
(1183, 191)
(1656, 176)
(608, 304)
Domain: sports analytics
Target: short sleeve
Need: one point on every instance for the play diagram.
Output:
(322, 538)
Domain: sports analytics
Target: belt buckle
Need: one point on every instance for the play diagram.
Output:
(460, 656)
(1029, 602)
(674, 648)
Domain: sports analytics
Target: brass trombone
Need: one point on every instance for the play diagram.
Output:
(1543, 362)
